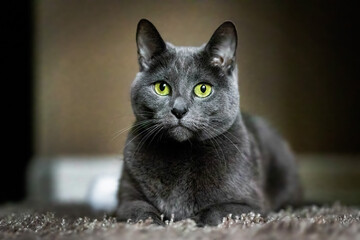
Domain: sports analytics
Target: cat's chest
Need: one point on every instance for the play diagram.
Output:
(180, 183)
(171, 185)
(177, 198)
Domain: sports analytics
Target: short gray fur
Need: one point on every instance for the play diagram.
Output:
(212, 161)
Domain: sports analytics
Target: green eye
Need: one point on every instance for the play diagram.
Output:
(162, 88)
(203, 90)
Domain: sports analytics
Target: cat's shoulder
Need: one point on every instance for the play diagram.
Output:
(258, 125)
(252, 121)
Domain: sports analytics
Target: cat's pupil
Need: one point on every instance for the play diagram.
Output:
(203, 88)
(162, 86)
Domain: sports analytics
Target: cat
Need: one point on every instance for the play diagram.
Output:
(191, 152)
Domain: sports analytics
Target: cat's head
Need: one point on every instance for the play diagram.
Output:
(186, 92)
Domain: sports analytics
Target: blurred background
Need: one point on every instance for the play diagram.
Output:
(72, 62)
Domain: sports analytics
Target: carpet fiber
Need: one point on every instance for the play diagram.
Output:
(76, 222)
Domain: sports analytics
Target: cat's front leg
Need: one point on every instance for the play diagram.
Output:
(138, 210)
(213, 215)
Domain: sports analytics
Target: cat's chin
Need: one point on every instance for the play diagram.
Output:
(180, 133)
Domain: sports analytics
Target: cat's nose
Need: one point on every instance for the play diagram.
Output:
(180, 108)
(179, 112)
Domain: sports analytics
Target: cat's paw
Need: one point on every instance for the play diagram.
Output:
(150, 218)
(208, 217)
(136, 211)
(214, 215)
(144, 217)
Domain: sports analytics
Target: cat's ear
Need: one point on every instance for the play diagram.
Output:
(222, 46)
(149, 43)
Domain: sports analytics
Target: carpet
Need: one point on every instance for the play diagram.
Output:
(27, 221)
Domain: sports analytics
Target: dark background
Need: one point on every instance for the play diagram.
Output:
(17, 79)
(325, 31)
(325, 50)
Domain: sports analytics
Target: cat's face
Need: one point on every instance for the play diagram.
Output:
(186, 92)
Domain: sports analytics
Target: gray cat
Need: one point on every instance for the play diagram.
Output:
(191, 152)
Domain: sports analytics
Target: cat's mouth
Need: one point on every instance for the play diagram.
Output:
(181, 124)
(180, 132)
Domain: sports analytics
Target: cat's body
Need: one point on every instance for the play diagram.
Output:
(194, 154)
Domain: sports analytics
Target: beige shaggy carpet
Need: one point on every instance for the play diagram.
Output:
(76, 222)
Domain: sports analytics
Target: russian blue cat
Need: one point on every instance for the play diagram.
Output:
(191, 152)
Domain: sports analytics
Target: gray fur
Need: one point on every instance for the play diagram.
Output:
(214, 160)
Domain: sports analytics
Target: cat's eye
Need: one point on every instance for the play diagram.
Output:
(202, 90)
(162, 88)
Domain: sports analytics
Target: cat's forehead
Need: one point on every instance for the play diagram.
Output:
(186, 50)
(184, 57)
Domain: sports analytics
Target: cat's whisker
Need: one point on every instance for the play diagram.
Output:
(190, 142)
(210, 140)
(156, 133)
(133, 126)
(137, 135)
(232, 135)
(223, 135)
(118, 133)
(150, 130)
(216, 144)
(221, 149)
(214, 138)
